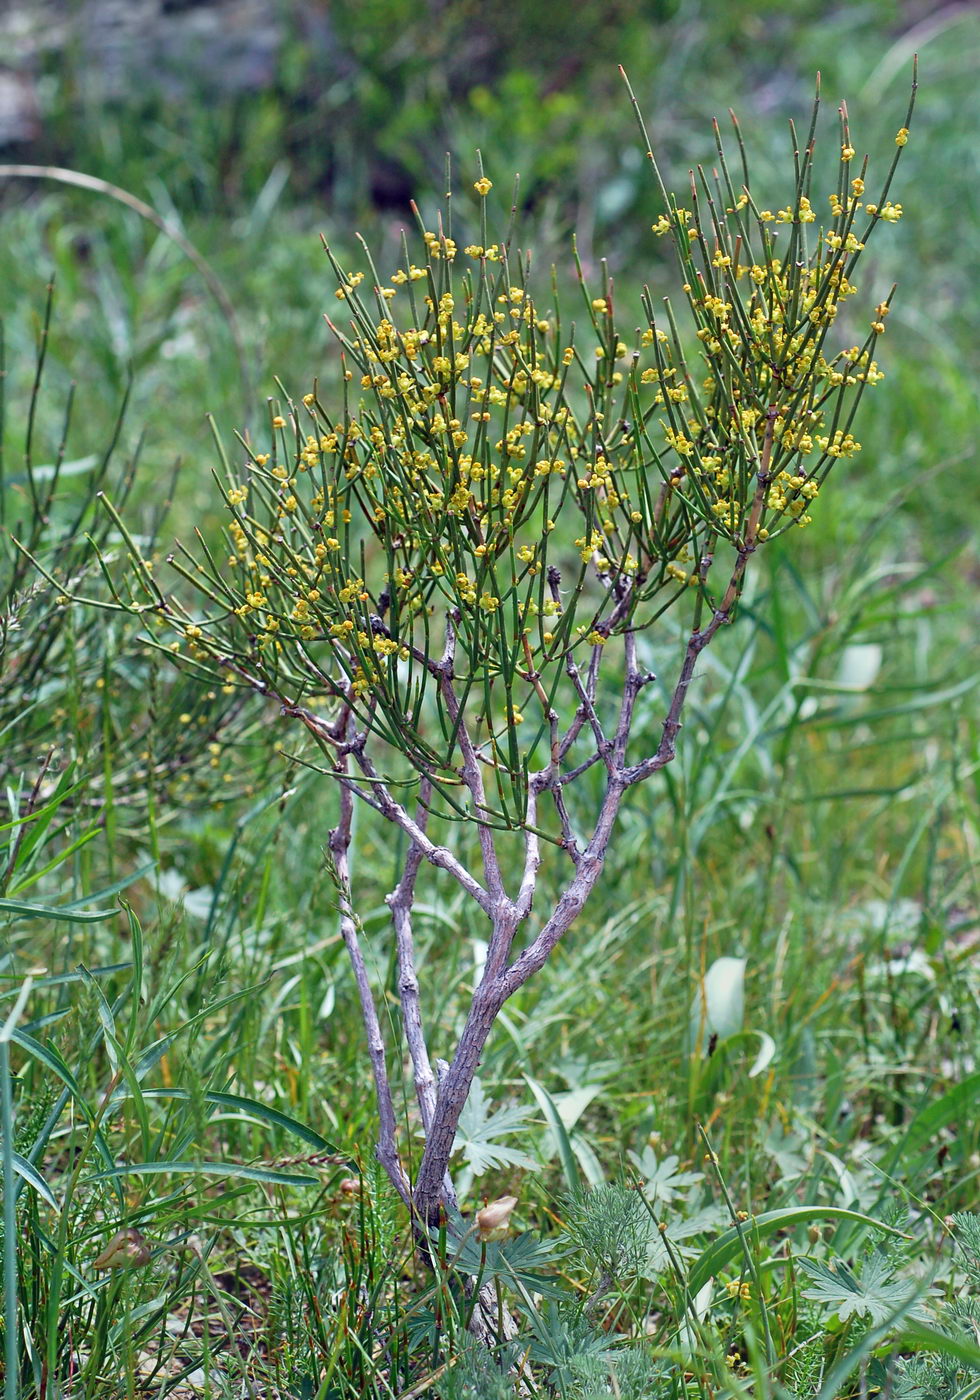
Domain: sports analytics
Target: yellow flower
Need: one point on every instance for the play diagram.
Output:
(901, 136)
(483, 186)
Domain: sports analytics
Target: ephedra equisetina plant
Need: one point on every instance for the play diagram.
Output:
(444, 573)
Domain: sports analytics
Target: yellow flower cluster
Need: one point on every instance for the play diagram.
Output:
(493, 478)
(763, 324)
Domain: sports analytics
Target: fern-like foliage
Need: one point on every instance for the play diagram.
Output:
(524, 1264)
(612, 1226)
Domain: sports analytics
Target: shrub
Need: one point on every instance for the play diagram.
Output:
(451, 584)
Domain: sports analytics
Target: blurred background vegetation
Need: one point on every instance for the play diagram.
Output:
(822, 818)
(258, 127)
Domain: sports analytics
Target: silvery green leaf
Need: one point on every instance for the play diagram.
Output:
(766, 1055)
(718, 1009)
(662, 1181)
(859, 665)
(479, 1131)
(875, 1295)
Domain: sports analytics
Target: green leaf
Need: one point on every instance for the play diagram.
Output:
(64, 853)
(24, 909)
(920, 1335)
(49, 1056)
(924, 699)
(229, 1169)
(32, 1176)
(258, 1110)
(479, 1131)
(876, 1295)
(663, 1183)
(518, 1261)
(62, 792)
(956, 1105)
(62, 979)
(728, 1246)
(565, 1151)
(718, 1008)
(833, 1386)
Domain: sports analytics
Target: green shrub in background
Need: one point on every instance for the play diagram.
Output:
(74, 689)
(360, 101)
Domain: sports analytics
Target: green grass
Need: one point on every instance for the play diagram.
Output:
(190, 1063)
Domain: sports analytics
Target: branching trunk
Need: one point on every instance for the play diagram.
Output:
(503, 974)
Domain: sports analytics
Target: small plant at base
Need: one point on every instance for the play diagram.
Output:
(613, 1227)
(446, 583)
